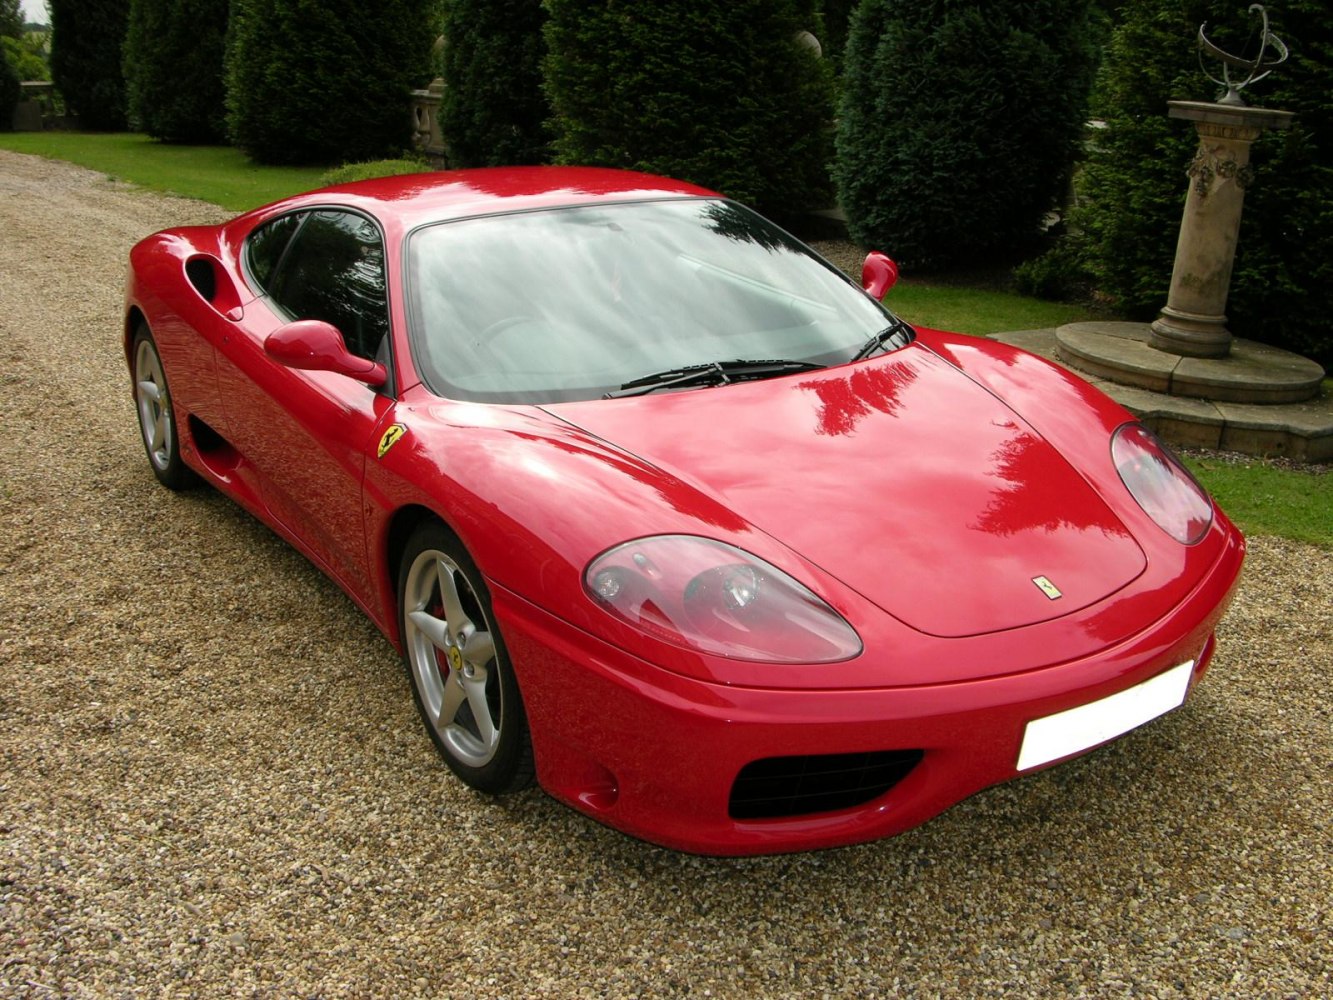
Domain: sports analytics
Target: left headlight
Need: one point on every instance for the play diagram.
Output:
(1162, 486)
(712, 597)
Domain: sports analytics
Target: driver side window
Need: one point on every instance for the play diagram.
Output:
(334, 271)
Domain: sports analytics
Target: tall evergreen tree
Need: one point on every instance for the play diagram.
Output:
(837, 19)
(960, 123)
(325, 82)
(718, 92)
(11, 18)
(494, 111)
(1134, 185)
(86, 41)
(174, 68)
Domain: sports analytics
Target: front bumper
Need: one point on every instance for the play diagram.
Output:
(655, 754)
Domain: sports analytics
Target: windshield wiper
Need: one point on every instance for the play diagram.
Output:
(711, 373)
(897, 334)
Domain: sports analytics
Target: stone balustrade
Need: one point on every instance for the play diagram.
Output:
(426, 134)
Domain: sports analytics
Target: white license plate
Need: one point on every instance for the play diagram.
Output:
(1075, 729)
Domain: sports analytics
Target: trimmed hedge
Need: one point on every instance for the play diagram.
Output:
(1134, 185)
(494, 111)
(350, 172)
(717, 92)
(960, 125)
(325, 83)
(86, 41)
(174, 69)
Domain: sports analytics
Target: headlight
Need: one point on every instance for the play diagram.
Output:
(1162, 486)
(713, 597)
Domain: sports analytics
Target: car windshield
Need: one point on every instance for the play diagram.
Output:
(573, 303)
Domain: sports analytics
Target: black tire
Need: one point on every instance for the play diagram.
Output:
(459, 669)
(157, 418)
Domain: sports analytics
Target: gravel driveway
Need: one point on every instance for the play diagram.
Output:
(214, 781)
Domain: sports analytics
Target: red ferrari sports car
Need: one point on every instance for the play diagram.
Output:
(662, 509)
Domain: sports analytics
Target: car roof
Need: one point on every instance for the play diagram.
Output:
(413, 199)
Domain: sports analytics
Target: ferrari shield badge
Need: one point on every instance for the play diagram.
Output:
(1043, 584)
(390, 438)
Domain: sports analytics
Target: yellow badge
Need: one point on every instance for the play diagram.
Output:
(390, 438)
(1047, 588)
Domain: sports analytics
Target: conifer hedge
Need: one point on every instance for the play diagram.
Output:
(960, 123)
(1134, 185)
(325, 82)
(86, 41)
(11, 19)
(494, 111)
(174, 69)
(717, 92)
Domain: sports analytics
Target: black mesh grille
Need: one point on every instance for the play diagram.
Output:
(794, 786)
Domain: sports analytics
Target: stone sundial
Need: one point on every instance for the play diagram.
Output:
(1254, 69)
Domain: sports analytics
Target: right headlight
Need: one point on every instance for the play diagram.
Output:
(1162, 486)
(712, 597)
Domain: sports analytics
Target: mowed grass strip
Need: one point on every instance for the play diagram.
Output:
(1267, 499)
(978, 311)
(218, 174)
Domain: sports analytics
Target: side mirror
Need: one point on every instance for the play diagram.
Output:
(878, 275)
(312, 345)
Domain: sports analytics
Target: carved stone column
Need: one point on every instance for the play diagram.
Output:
(1193, 323)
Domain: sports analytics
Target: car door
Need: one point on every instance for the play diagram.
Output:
(307, 433)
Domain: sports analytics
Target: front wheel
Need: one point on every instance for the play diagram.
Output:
(456, 660)
(157, 420)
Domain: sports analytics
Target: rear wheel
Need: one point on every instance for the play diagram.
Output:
(456, 660)
(157, 420)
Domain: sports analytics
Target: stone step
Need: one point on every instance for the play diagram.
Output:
(1301, 431)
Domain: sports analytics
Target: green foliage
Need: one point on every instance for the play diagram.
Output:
(1057, 274)
(86, 40)
(837, 20)
(1134, 188)
(173, 68)
(25, 58)
(10, 92)
(11, 19)
(960, 123)
(349, 172)
(717, 92)
(327, 82)
(494, 111)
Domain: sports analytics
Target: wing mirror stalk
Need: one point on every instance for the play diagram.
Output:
(312, 345)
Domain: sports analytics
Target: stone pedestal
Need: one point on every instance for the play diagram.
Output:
(1193, 323)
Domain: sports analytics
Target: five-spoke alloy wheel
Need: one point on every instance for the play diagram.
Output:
(458, 666)
(157, 420)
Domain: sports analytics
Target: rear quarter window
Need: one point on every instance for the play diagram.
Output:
(267, 244)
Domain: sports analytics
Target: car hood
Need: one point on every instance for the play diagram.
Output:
(900, 476)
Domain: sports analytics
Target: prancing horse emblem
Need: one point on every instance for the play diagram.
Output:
(1047, 588)
(390, 438)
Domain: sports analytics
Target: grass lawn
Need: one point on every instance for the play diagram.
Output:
(1264, 499)
(218, 174)
(978, 311)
